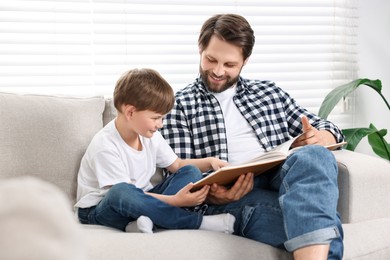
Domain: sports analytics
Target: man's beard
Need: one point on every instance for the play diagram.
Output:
(216, 88)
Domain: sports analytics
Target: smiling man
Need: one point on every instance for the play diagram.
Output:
(223, 115)
(221, 64)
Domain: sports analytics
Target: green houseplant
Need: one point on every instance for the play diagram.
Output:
(376, 138)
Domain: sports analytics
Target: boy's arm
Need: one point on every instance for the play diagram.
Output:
(204, 164)
(184, 198)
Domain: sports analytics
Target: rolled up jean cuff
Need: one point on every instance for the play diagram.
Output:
(317, 237)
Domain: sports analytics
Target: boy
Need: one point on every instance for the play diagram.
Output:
(114, 187)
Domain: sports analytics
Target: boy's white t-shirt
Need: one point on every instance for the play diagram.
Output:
(109, 161)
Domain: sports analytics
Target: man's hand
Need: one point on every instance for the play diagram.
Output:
(311, 135)
(221, 195)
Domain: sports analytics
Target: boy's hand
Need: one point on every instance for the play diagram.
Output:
(185, 198)
(217, 163)
(221, 195)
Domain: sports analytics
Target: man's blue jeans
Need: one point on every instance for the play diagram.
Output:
(124, 203)
(294, 206)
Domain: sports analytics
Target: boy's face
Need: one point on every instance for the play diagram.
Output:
(146, 122)
(220, 64)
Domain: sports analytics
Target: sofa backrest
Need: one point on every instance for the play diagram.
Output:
(46, 136)
(109, 111)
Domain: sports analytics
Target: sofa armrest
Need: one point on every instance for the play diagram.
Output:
(364, 184)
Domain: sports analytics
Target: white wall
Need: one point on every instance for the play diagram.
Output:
(374, 63)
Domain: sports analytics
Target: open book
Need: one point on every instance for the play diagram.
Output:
(266, 161)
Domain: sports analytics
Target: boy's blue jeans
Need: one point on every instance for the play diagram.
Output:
(124, 203)
(293, 207)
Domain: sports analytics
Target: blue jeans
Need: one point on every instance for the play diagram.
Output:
(293, 206)
(124, 203)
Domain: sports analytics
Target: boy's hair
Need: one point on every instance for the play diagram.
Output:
(145, 89)
(231, 28)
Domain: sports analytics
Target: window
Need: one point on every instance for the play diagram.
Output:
(83, 46)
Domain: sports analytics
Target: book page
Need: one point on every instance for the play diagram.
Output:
(281, 150)
(330, 147)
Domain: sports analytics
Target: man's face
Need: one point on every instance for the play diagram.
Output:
(220, 65)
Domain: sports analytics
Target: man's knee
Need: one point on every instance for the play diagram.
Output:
(312, 159)
(315, 156)
(315, 152)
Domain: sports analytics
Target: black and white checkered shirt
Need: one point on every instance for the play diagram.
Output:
(195, 127)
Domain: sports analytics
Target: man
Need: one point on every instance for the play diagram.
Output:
(224, 115)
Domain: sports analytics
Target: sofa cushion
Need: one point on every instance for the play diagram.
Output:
(362, 241)
(36, 222)
(46, 136)
(105, 243)
(364, 182)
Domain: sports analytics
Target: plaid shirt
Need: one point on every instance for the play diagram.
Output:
(195, 127)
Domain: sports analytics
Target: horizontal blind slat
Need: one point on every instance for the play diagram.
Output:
(306, 47)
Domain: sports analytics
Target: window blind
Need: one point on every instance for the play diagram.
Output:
(83, 46)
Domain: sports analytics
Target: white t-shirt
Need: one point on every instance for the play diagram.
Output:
(243, 144)
(109, 160)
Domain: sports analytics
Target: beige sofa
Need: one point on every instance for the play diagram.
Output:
(46, 136)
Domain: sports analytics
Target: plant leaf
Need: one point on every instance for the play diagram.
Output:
(378, 142)
(336, 94)
(353, 136)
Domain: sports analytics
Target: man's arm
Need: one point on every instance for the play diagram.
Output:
(313, 136)
(323, 130)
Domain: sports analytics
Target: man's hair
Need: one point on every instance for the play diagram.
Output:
(145, 89)
(231, 28)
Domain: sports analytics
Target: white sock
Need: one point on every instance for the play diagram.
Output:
(142, 225)
(220, 223)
